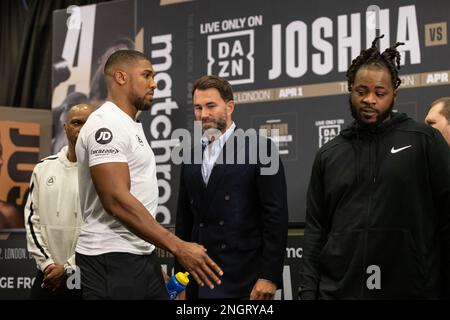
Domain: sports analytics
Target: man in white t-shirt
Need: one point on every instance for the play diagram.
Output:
(119, 195)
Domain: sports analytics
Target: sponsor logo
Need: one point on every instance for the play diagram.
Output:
(103, 136)
(230, 55)
(393, 150)
(51, 180)
(104, 152)
(328, 130)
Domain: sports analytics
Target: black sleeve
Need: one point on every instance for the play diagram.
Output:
(315, 233)
(271, 187)
(439, 160)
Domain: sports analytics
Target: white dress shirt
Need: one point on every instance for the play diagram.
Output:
(212, 150)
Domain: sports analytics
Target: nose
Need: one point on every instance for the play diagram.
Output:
(204, 113)
(152, 83)
(369, 98)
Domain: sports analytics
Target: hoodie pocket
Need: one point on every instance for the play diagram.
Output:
(400, 263)
(341, 256)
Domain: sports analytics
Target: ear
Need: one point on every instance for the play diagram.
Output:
(230, 107)
(120, 77)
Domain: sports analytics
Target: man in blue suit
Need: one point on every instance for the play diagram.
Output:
(233, 200)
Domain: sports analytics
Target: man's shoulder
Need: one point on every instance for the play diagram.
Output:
(104, 119)
(49, 158)
(331, 145)
(414, 126)
(418, 131)
(46, 162)
(101, 114)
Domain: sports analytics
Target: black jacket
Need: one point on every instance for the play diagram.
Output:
(379, 197)
(241, 218)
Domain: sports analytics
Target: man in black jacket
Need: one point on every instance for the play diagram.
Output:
(378, 203)
(236, 209)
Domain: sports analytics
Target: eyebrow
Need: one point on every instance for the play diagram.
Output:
(76, 119)
(366, 87)
(209, 103)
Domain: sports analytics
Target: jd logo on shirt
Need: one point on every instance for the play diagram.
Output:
(103, 136)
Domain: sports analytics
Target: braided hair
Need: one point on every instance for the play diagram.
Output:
(389, 59)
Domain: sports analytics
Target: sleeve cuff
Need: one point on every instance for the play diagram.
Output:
(71, 261)
(46, 263)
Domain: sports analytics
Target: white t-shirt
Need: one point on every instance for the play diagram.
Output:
(110, 135)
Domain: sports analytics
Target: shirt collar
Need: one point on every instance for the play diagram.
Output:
(223, 137)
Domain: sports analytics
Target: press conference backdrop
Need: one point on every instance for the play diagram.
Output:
(285, 59)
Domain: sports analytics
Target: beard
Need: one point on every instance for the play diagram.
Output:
(142, 104)
(381, 116)
(219, 124)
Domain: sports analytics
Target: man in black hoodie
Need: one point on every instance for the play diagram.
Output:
(378, 203)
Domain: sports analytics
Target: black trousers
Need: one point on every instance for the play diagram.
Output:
(38, 293)
(121, 276)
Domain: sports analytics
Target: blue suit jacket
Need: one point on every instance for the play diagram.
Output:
(241, 218)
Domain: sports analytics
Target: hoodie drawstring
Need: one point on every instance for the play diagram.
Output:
(375, 173)
(357, 157)
(58, 203)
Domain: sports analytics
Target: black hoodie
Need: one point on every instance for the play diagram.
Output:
(378, 215)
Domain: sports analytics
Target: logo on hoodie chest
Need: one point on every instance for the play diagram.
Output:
(397, 150)
(51, 181)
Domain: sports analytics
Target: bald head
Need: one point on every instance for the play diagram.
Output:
(76, 117)
(77, 110)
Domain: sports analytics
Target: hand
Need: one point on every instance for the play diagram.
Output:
(46, 272)
(48, 268)
(54, 277)
(165, 276)
(263, 290)
(197, 262)
(181, 295)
